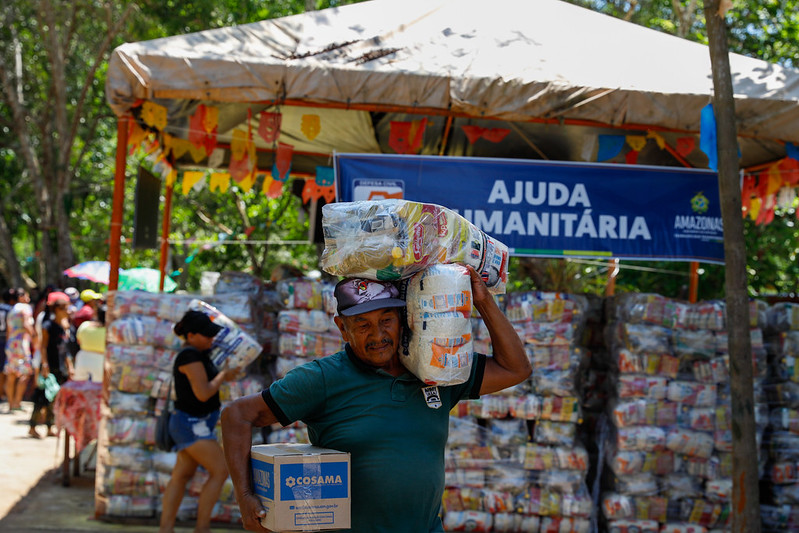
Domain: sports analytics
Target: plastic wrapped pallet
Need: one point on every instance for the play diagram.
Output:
(394, 239)
(140, 351)
(306, 331)
(514, 459)
(780, 497)
(668, 455)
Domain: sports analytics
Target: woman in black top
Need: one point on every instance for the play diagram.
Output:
(56, 358)
(196, 381)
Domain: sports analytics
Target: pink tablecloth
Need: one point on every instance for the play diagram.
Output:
(77, 409)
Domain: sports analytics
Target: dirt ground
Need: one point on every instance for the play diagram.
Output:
(32, 496)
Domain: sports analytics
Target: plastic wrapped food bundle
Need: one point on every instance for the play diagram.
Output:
(668, 452)
(438, 348)
(394, 239)
(232, 347)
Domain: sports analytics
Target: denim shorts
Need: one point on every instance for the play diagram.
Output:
(186, 429)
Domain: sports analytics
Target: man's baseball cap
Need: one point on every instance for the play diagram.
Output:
(355, 296)
(89, 295)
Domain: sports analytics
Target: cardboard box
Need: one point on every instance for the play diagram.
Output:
(302, 487)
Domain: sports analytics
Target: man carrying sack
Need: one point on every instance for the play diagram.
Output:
(362, 400)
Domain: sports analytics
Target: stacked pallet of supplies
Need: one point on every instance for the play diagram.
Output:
(141, 348)
(514, 459)
(669, 448)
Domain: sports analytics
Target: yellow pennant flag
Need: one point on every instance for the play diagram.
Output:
(211, 118)
(238, 145)
(754, 207)
(246, 184)
(179, 146)
(774, 179)
(190, 179)
(310, 126)
(636, 142)
(171, 176)
(154, 115)
(658, 139)
(220, 181)
(197, 154)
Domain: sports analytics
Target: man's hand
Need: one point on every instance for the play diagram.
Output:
(479, 290)
(251, 512)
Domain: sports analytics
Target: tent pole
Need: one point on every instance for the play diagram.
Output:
(117, 206)
(613, 271)
(693, 277)
(165, 235)
(445, 135)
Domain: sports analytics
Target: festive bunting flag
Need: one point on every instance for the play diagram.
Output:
(589, 143)
(707, 136)
(313, 191)
(246, 184)
(190, 179)
(210, 119)
(154, 115)
(609, 146)
(661, 142)
(325, 176)
(631, 157)
(748, 191)
(636, 142)
(786, 197)
(494, 135)
(216, 158)
(135, 135)
(282, 164)
(267, 184)
(472, 132)
(203, 126)
(406, 137)
(685, 145)
(239, 169)
(170, 175)
(269, 126)
(238, 144)
(272, 187)
(310, 125)
(789, 169)
(219, 181)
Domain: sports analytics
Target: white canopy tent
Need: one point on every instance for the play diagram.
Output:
(553, 74)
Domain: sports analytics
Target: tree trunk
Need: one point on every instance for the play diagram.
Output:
(745, 492)
(11, 270)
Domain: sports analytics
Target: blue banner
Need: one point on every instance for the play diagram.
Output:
(555, 209)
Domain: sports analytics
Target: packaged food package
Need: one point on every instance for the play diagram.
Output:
(438, 348)
(394, 239)
(232, 346)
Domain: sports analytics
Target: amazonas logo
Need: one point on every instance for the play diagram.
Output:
(700, 203)
(292, 481)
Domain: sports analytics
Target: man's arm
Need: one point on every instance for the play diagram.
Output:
(510, 364)
(238, 420)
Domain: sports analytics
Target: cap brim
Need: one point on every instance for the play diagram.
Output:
(210, 330)
(372, 305)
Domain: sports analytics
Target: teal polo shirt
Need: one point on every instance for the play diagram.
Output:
(390, 425)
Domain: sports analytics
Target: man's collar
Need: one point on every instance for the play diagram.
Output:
(369, 368)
